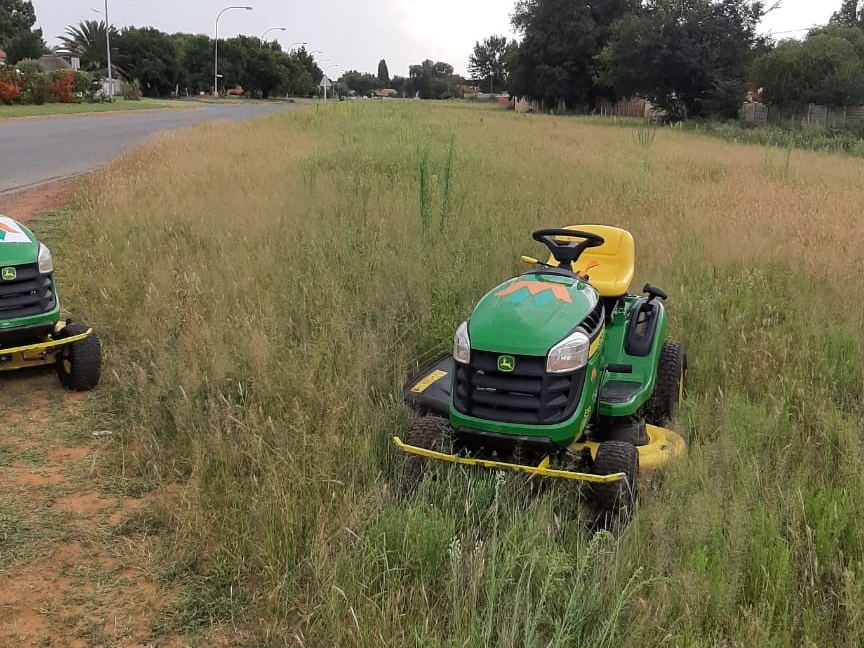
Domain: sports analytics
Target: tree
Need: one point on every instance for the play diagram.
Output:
(826, 68)
(689, 57)
(432, 80)
(151, 56)
(557, 57)
(266, 73)
(195, 54)
(25, 45)
(849, 14)
(399, 84)
(360, 82)
(489, 61)
(383, 74)
(87, 41)
(16, 17)
(303, 74)
(17, 36)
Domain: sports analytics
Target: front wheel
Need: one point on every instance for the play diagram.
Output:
(429, 433)
(614, 501)
(669, 386)
(79, 365)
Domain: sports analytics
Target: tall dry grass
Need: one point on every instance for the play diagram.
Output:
(263, 288)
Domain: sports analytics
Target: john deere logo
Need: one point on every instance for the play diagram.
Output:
(506, 363)
(8, 274)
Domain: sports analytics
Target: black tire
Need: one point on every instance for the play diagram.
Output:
(431, 433)
(79, 364)
(614, 501)
(669, 388)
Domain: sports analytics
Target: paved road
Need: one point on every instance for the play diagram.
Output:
(34, 151)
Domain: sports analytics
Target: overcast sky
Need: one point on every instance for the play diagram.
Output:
(354, 34)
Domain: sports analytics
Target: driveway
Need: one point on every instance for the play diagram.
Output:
(35, 151)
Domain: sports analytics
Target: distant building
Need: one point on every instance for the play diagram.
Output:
(386, 92)
(53, 63)
(2, 58)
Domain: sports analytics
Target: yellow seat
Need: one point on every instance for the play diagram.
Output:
(613, 262)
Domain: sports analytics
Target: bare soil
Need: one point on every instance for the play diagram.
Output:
(23, 205)
(79, 538)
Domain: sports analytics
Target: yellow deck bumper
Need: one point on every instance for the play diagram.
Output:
(663, 447)
(32, 355)
(541, 469)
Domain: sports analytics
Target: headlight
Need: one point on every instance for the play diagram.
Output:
(569, 354)
(462, 344)
(46, 263)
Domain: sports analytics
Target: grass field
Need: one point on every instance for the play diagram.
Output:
(259, 312)
(76, 108)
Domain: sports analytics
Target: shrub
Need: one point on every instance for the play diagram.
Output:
(36, 89)
(132, 90)
(29, 67)
(61, 86)
(85, 86)
(10, 89)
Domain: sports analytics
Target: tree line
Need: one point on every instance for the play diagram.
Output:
(690, 58)
(165, 64)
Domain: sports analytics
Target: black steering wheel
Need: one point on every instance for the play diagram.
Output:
(566, 252)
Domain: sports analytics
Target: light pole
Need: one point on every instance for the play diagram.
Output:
(268, 31)
(297, 43)
(327, 79)
(108, 43)
(216, 55)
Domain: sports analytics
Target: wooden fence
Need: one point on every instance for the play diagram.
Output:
(639, 108)
(761, 115)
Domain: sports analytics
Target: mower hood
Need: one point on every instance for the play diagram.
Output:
(529, 314)
(18, 246)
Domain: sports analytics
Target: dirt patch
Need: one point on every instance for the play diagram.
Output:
(23, 205)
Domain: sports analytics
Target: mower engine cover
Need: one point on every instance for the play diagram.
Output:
(527, 358)
(28, 301)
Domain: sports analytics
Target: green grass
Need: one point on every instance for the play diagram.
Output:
(260, 311)
(76, 108)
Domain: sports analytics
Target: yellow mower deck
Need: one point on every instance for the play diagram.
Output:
(663, 447)
(34, 355)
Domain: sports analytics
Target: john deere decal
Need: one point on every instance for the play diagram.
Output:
(8, 274)
(543, 292)
(11, 232)
(506, 363)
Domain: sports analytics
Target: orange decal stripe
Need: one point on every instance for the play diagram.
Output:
(536, 287)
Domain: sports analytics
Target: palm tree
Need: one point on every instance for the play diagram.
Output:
(87, 42)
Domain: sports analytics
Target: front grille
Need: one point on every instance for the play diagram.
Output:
(30, 293)
(527, 395)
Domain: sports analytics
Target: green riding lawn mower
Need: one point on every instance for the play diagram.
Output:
(559, 372)
(32, 332)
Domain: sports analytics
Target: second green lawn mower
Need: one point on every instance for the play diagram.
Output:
(559, 372)
(32, 333)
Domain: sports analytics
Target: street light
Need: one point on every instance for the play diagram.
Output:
(327, 80)
(268, 31)
(216, 55)
(108, 43)
(297, 43)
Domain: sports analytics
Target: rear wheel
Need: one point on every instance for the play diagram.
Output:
(79, 364)
(614, 501)
(430, 433)
(670, 384)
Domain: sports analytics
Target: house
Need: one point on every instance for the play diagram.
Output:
(2, 58)
(386, 92)
(53, 63)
